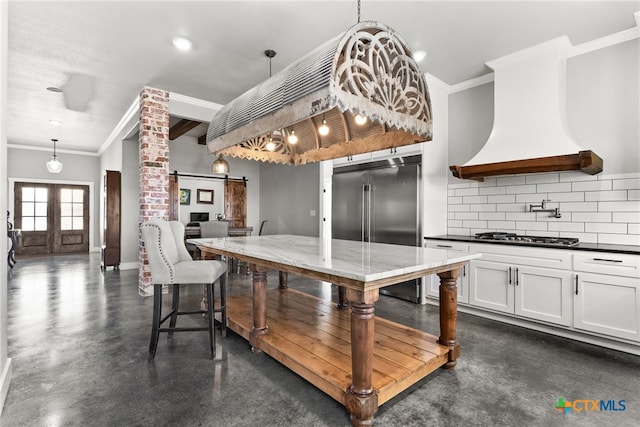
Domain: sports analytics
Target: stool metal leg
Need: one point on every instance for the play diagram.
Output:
(155, 326)
(223, 304)
(210, 312)
(174, 307)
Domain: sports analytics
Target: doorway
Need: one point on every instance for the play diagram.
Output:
(54, 218)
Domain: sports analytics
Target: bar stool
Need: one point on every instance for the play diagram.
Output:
(171, 264)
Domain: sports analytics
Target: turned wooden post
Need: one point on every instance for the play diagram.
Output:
(259, 307)
(449, 314)
(361, 398)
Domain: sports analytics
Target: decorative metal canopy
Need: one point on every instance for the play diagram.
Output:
(367, 71)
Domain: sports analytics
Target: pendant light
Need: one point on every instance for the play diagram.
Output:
(220, 165)
(323, 129)
(54, 165)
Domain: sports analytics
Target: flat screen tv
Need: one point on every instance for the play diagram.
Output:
(198, 216)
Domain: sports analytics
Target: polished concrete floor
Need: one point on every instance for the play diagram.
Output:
(79, 338)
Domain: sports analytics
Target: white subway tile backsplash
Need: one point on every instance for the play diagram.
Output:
(557, 187)
(466, 215)
(501, 225)
(605, 195)
(531, 198)
(591, 186)
(631, 206)
(630, 217)
(602, 227)
(474, 199)
(531, 226)
(619, 239)
(473, 191)
(520, 189)
(488, 182)
(519, 216)
(474, 224)
(626, 184)
(511, 180)
(459, 231)
(579, 207)
(459, 208)
(502, 198)
(591, 217)
(542, 178)
(595, 209)
(492, 216)
(577, 227)
(483, 208)
(577, 196)
(576, 176)
(604, 175)
(483, 191)
(511, 207)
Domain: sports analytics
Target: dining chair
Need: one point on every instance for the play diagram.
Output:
(171, 264)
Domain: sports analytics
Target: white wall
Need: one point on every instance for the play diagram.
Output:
(603, 110)
(5, 362)
(186, 156)
(289, 197)
(29, 165)
(130, 205)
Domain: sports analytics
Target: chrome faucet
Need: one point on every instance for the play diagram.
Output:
(555, 212)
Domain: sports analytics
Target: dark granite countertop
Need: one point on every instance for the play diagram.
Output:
(599, 247)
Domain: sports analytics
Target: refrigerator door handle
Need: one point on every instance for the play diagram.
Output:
(366, 212)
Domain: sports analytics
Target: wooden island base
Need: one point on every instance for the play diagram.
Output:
(312, 337)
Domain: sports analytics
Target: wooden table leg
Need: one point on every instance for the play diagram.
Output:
(259, 307)
(449, 314)
(283, 278)
(342, 298)
(361, 398)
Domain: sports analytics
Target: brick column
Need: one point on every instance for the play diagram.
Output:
(154, 169)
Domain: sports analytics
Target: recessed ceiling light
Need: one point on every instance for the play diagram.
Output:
(55, 122)
(182, 43)
(419, 55)
(54, 89)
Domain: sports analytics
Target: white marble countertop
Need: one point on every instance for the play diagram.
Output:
(360, 261)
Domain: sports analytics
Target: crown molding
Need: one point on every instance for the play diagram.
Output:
(50, 149)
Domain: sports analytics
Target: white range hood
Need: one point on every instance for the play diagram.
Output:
(530, 132)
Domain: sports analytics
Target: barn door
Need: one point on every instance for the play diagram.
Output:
(235, 203)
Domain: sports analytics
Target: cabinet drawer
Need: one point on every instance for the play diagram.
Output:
(535, 257)
(446, 244)
(607, 263)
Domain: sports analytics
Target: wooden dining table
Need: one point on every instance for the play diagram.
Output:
(358, 359)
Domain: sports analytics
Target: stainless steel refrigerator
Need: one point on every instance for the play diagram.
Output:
(380, 202)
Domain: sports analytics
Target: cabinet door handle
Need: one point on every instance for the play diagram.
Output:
(517, 283)
(509, 275)
(607, 260)
(444, 246)
(576, 284)
(464, 270)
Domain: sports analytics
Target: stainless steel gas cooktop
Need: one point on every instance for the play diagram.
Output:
(516, 238)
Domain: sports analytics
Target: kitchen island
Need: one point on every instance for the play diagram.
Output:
(358, 359)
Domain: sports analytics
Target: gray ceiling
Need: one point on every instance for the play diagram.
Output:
(102, 53)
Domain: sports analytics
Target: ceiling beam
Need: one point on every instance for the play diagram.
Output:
(182, 127)
(202, 140)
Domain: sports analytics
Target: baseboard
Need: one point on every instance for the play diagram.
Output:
(129, 265)
(5, 381)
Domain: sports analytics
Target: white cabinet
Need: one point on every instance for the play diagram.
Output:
(607, 303)
(433, 281)
(528, 282)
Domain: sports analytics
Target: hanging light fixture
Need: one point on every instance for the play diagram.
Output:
(323, 129)
(220, 165)
(270, 145)
(360, 119)
(54, 165)
(292, 138)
